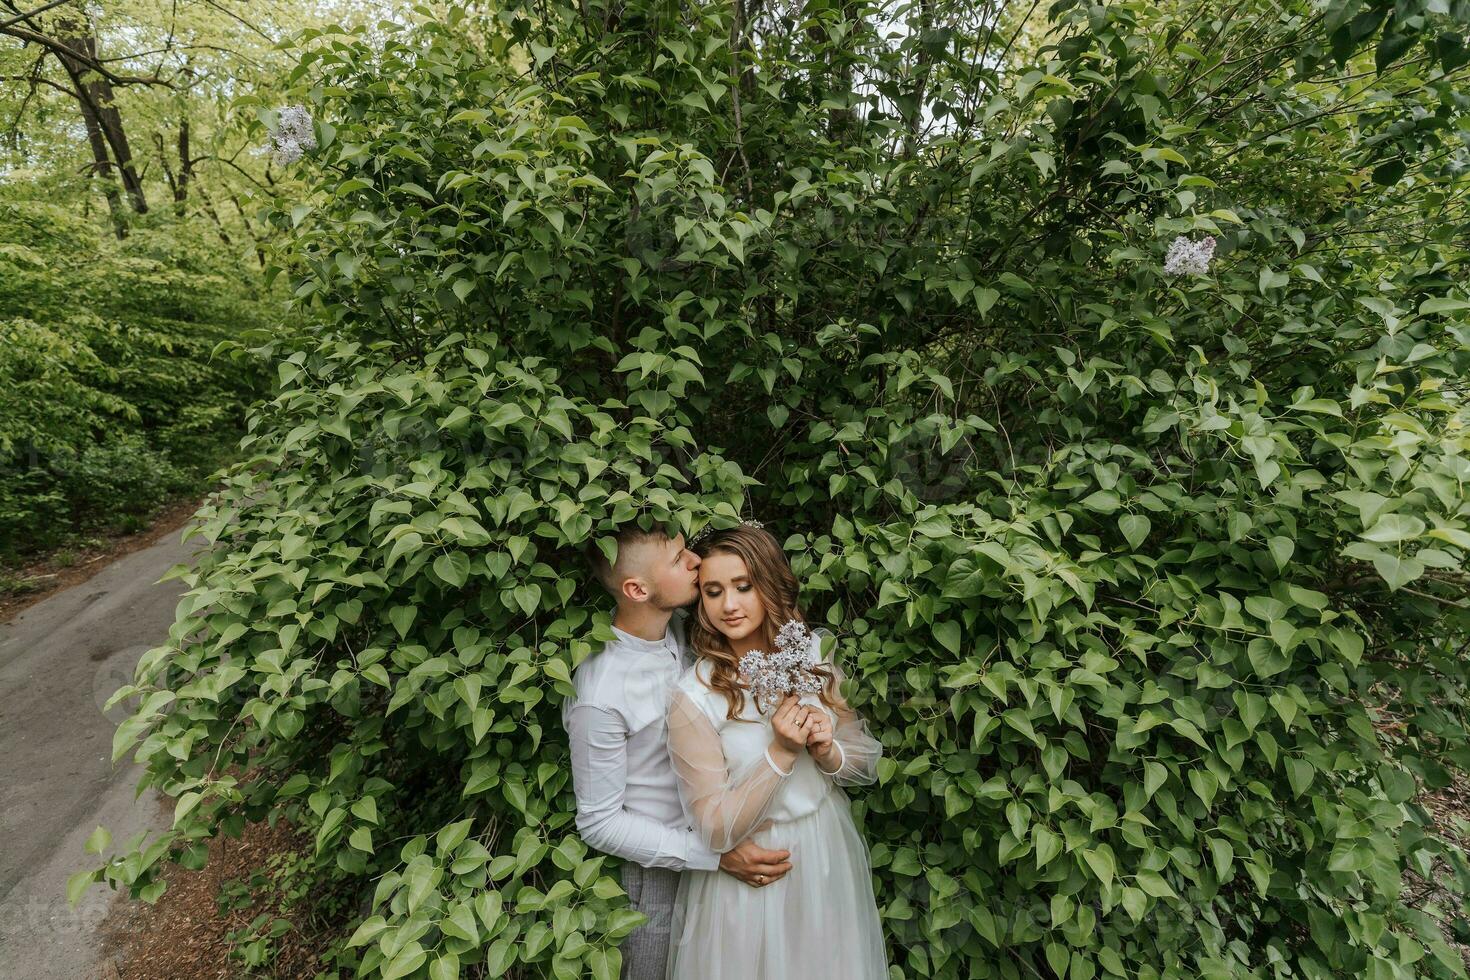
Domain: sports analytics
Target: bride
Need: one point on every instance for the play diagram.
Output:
(773, 779)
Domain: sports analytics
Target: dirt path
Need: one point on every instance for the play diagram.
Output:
(61, 657)
(46, 575)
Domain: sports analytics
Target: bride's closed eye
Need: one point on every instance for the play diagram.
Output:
(738, 588)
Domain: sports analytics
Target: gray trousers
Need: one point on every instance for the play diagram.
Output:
(646, 949)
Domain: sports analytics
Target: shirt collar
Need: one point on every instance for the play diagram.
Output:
(666, 644)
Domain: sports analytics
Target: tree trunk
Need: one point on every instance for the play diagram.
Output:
(168, 169)
(186, 162)
(102, 167)
(922, 60)
(96, 95)
(224, 236)
(186, 169)
(838, 77)
(177, 184)
(249, 230)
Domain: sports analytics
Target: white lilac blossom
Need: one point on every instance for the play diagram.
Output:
(793, 636)
(293, 134)
(772, 676)
(1190, 257)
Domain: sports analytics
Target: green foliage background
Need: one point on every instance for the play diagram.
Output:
(114, 293)
(109, 400)
(1153, 587)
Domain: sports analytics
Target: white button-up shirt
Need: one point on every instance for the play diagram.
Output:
(627, 795)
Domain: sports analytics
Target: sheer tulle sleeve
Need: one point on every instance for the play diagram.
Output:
(722, 806)
(859, 750)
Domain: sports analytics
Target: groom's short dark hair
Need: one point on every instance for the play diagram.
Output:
(611, 575)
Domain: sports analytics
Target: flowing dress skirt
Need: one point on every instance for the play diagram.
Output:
(819, 921)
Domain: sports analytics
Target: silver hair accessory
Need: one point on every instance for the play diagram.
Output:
(708, 529)
(772, 676)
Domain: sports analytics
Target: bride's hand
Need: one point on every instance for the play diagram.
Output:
(819, 742)
(791, 726)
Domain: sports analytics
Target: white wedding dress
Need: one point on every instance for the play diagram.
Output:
(819, 921)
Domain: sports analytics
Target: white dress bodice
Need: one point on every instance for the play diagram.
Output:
(746, 737)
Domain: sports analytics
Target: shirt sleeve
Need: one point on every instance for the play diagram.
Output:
(724, 806)
(599, 742)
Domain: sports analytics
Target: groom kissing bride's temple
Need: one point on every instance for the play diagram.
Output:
(736, 836)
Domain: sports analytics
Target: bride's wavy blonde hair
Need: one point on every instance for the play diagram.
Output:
(775, 585)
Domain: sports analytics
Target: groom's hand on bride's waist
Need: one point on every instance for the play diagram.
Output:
(753, 864)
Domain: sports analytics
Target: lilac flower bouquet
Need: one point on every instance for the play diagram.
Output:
(772, 676)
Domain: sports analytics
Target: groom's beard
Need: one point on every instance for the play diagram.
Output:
(663, 603)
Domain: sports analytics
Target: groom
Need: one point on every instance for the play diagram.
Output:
(627, 797)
